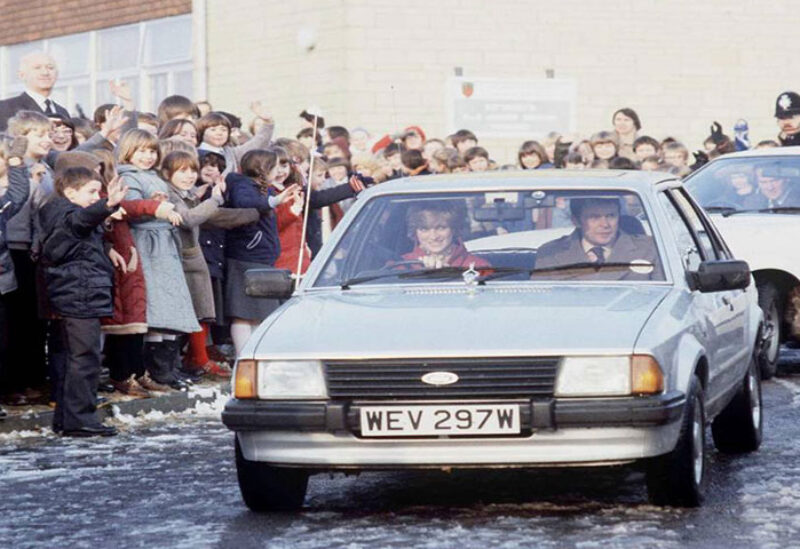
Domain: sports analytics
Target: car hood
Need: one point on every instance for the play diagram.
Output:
(751, 237)
(452, 321)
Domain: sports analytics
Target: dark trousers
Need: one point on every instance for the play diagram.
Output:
(26, 365)
(76, 398)
(56, 357)
(124, 355)
(4, 364)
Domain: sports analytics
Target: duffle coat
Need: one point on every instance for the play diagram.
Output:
(196, 212)
(169, 304)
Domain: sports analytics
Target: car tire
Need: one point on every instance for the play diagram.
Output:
(739, 427)
(678, 478)
(268, 488)
(769, 350)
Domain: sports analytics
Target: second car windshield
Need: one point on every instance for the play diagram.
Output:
(734, 185)
(511, 235)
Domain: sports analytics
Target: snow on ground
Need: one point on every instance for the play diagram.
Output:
(168, 480)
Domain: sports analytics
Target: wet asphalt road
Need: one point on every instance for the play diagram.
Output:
(171, 482)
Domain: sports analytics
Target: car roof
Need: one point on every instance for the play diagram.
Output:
(525, 179)
(755, 153)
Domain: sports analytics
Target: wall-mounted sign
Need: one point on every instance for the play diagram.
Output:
(501, 107)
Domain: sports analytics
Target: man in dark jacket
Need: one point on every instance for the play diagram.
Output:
(79, 278)
(39, 72)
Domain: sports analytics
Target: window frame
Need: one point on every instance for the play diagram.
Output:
(10, 86)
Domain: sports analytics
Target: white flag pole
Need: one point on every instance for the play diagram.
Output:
(307, 201)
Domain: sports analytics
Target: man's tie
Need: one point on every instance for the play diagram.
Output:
(49, 107)
(599, 253)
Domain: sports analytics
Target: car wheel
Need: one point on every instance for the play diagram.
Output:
(268, 488)
(769, 301)
(739, 427)
(678, 477)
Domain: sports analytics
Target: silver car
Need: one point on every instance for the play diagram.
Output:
(504, 319)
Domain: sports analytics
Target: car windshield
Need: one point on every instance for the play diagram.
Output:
(740, 185)
(489, 236)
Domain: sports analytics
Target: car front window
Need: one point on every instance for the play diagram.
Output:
(541, 234)
(757, 184)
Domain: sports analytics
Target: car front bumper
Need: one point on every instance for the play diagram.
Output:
(325, 435)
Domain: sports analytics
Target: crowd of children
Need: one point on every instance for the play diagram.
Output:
(124, 240)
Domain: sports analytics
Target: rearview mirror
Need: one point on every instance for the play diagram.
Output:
(273, 283)
(717, 276)
(499, 211)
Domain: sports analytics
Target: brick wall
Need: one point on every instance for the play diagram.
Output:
(383, 64)
(28, 20)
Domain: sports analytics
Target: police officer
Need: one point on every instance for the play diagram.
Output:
(787, 112)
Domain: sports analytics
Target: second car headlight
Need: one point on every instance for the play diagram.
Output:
(594, 376)
(599, 376)
(299, 379)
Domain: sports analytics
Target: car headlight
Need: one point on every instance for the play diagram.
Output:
(598, 376)
(290, 379)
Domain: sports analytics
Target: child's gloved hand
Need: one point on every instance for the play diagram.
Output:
(175, 218)
(18, 147)
(117, 260)
(134, 261)
(716, 133)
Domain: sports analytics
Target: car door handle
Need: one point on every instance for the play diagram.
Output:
(727, 301)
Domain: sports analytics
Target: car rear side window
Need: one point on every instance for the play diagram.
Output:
(688, 248)
(694, 221)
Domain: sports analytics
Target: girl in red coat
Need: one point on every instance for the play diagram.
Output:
(290, 213)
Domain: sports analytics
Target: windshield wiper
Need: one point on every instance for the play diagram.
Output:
(781, 209)
(499, 272)
(441, 272)
(591, 265)
(726, 212)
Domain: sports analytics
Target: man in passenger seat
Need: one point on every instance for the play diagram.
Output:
(598, 239)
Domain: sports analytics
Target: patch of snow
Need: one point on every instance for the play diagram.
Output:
(17, 435)
(793, 388)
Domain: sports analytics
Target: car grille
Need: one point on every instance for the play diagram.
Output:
(477, 378)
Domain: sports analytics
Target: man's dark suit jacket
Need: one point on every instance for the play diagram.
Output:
(23, 102)
(568, 250)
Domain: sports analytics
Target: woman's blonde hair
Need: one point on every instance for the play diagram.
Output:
(133, 140)
(25, 122)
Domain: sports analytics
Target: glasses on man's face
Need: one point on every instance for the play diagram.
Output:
(61, 130)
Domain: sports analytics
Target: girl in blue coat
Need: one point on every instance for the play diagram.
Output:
(169, 304)
(252, 246)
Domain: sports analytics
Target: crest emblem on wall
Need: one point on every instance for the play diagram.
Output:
(467, 88)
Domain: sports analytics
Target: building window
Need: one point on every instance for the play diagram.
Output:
(153, 57)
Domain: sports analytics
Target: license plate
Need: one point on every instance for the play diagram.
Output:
(412, 421)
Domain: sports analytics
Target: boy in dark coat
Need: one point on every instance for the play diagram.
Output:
(79, 278)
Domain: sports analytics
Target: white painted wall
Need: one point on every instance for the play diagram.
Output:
(383, 63)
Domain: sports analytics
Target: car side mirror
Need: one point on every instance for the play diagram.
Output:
(721, 275)
(272, 283)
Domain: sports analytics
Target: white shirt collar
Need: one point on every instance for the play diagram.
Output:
(587, 246)
(40, 99)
